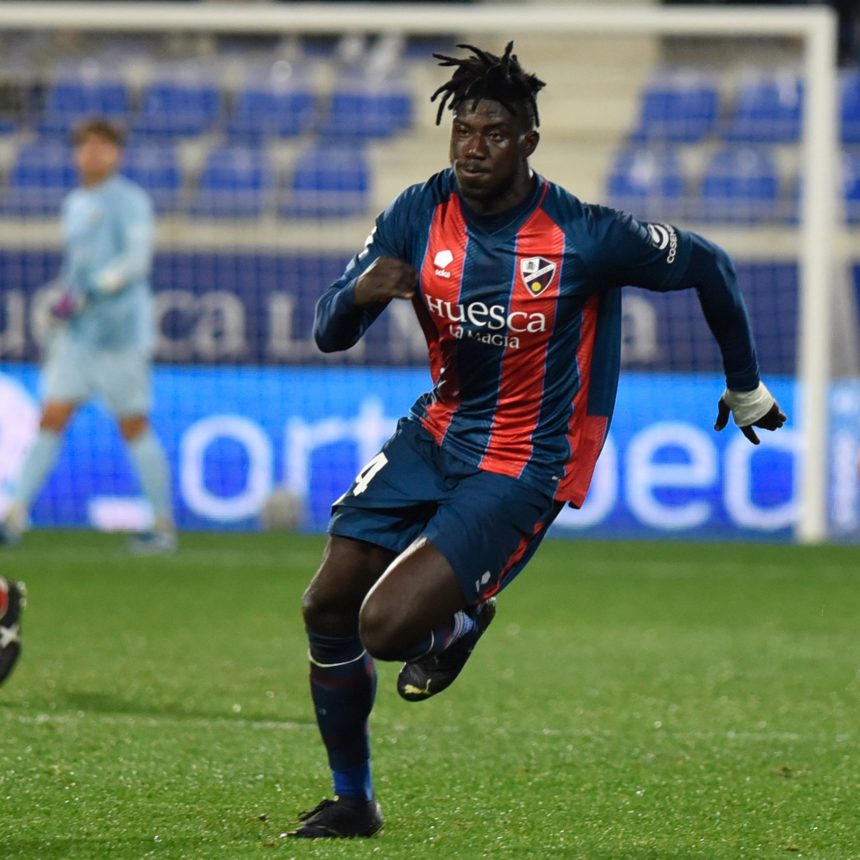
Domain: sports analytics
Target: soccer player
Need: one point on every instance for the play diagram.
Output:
(104, 334)
(12, 601)
(517, 286)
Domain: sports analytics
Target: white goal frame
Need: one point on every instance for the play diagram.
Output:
(814, 26)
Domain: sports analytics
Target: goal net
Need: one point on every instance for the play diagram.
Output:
(270, 136)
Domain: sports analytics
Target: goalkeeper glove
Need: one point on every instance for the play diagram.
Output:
(67, 305)
(756, 408)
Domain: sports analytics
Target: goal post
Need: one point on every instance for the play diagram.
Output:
(813, 27)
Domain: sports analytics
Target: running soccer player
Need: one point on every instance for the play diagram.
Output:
(104, 334)
(516, 284)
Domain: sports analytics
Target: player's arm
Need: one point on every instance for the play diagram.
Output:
(136, 228)
(663, 258)
(374, 277)
(711, 272)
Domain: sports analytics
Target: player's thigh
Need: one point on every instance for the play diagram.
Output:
(381, 514)
(348, 570)
(123, 379)
(66, 371)
(489, 529)
(418, 592)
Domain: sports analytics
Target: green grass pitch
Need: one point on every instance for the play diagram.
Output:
(632, 700)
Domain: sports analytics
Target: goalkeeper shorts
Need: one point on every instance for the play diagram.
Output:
(75, 371)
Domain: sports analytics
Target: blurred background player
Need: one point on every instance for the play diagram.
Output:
(12, 601)
(102, 341)
(517, 286)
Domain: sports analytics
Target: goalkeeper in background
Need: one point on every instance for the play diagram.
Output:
(102, 341)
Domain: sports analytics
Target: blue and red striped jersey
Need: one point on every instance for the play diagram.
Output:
(522, 316)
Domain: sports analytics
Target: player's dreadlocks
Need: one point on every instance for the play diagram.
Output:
(486, 76)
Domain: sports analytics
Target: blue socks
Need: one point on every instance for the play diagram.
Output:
(154, 474)
(343, 687)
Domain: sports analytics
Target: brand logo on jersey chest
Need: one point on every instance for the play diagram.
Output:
(441, 261)
(537, 274)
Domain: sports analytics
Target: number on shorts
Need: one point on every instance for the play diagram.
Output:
(366, 475)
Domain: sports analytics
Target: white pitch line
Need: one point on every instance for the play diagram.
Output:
(73, 718)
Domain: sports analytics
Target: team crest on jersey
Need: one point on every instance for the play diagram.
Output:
(537, 274)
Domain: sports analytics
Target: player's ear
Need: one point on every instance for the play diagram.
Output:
(530, 142)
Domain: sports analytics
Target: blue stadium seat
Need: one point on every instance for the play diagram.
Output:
(236, 182)
(181, 107)
(365, 109)
(9, 124)
(329, 181)
(279, 103)
(767, 109)
(851, 186)
(156, 168)
(262, 113)
(679, 106)
(42, 175)
(740, 184)
(647, 182)
(849, 105)
(69, 100)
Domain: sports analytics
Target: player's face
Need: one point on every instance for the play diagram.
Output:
(96, 158)
(490, 148)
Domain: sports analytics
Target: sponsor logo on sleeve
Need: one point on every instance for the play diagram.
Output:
(664, 238)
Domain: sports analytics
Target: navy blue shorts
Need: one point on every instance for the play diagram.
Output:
(488, 526)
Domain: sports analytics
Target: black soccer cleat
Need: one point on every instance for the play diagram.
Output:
(428, 676)
(341, 818)
(10, 627)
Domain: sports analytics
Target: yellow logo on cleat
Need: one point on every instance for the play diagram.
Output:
(412, 690)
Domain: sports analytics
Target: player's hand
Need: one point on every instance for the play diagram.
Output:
(386, 278)
(750, 409)
(66, 306)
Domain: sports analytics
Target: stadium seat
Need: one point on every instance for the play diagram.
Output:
(69, 100)
(647, 182)
(329, 181)
(41, 176)
(155, 167)
(739, 184)
(767, 109)
(849, 105)
(851, 186)
(280, 104)
(236, 182)
(181, 107)
(679, 106)
(367, 108)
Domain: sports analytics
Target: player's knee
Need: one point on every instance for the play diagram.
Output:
(55, 416)
(133, 426)
(314, 609)
(326, 613)
(381, 631)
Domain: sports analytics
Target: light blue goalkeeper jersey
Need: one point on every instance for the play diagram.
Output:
(108, 235)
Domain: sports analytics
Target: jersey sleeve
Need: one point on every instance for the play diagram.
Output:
(339, 322)
(135, 227)
(627, 252)
(662, 258)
